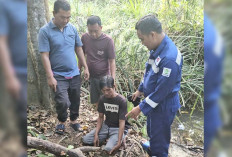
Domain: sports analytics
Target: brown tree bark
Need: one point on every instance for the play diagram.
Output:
(58, 149)
(53, 147)
(47, 10)
(39, 92)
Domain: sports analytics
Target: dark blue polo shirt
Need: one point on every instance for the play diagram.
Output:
(61, 48)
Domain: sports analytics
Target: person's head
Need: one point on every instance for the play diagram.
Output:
(94, 26)
(61, 13)
(149, 31)
(107, 86)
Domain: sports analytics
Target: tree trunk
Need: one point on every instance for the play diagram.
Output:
(47, 10)
(39, 92)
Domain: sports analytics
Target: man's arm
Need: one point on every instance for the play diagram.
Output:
(81, 58)
(98, 128)
(12, 83)
(79, 65)
(120, 134)
(47, 66)
(121, 130)
(83, 49)
(44, 49)
(112, 67)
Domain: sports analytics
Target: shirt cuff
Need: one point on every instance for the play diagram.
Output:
(146, 109)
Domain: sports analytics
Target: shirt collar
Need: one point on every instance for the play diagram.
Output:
(97, 38)
(158, 50)
(52, 25)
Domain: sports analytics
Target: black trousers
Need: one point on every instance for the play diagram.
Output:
(67, 95)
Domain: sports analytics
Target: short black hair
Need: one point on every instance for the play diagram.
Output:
(107, 81)
(93, 20)
(61, 4)
(148, 24)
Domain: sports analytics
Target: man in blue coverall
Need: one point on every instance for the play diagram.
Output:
(160, 85)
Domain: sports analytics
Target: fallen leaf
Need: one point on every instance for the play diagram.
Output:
(85, 128)
(187, 138)
(37, 124)
(62, 153)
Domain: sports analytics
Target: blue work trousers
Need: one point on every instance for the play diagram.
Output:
(159, 123)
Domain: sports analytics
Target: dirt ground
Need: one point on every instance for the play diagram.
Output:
(42, 123)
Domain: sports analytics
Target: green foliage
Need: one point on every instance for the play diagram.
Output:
(70, 147)
(129, 106)
(144, 131)
(41, 136)
(133, 7)
(32, 131)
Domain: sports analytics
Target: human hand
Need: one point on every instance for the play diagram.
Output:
(86, 74)
(96, 141)
(115, 148)
(52, 83)
(134, 112)
(135, 95)
(13, 86)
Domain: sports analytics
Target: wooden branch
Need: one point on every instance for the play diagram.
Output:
(53, 147)
(139, 145)
(121, 153)
(84, 90)
(188, 147)
(62, 139)
(127, 153)
(85, 149)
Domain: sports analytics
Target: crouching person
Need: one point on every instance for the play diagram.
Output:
(114, 107)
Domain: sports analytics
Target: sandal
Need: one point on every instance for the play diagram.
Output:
(75, 126)
(146, 146)
(60, 129)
